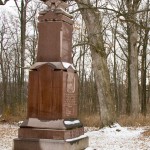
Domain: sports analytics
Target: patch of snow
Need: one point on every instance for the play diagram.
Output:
(7, 133)
(117, 138)
(77, 138)
(71, 122)
(122, 18)
(20, 122)
(67, 65)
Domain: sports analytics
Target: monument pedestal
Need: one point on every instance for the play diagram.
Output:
(35, 134)
(79, 143)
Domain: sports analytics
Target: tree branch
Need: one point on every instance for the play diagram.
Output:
(3, 3)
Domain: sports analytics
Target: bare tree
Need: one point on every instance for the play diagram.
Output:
(18, 46)
(132, 7)
(3, 2)
(93, 22)
(144, 18)
(22, 10)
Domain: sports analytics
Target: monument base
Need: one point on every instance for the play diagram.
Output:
(37, 133)
(79, 143)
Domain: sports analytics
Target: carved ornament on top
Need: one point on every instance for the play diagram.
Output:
(56, 4)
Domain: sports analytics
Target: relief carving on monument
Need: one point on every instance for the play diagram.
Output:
(56, 4)
(70, 82)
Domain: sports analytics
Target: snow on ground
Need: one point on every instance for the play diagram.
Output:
(118, 138)
(108, 138)
(7, 134)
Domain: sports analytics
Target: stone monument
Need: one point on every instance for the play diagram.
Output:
(52, 122)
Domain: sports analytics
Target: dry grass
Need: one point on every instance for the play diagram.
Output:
(146, 133)
(19, 113)
(140, 120)
(124, 120)
(12, 119)
(90, 120)
(13, 115)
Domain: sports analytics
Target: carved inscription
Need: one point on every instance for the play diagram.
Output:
(70, 83)
(70, 105)
(70, 100)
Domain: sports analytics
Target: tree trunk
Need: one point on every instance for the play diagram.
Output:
(143, 75)
(144, 65)
(92, 18)
(3, 67)
(23, 19)
(135, 106)
(115, 72)
(133, 57)
(23, 38)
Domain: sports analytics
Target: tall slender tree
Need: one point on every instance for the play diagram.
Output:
(93, 22)
(132, 7)
(146, 17)
(22, 10)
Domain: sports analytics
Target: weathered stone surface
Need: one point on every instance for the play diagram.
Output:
(52, 93)
(46, 144)
(60, 124)
(55, 38)
(55, 16)
(50, 133)
(53, 90)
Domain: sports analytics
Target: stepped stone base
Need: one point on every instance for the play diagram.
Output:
(49, 133)
(79, 143)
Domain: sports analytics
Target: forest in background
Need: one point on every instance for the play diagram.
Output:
(125, 37)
